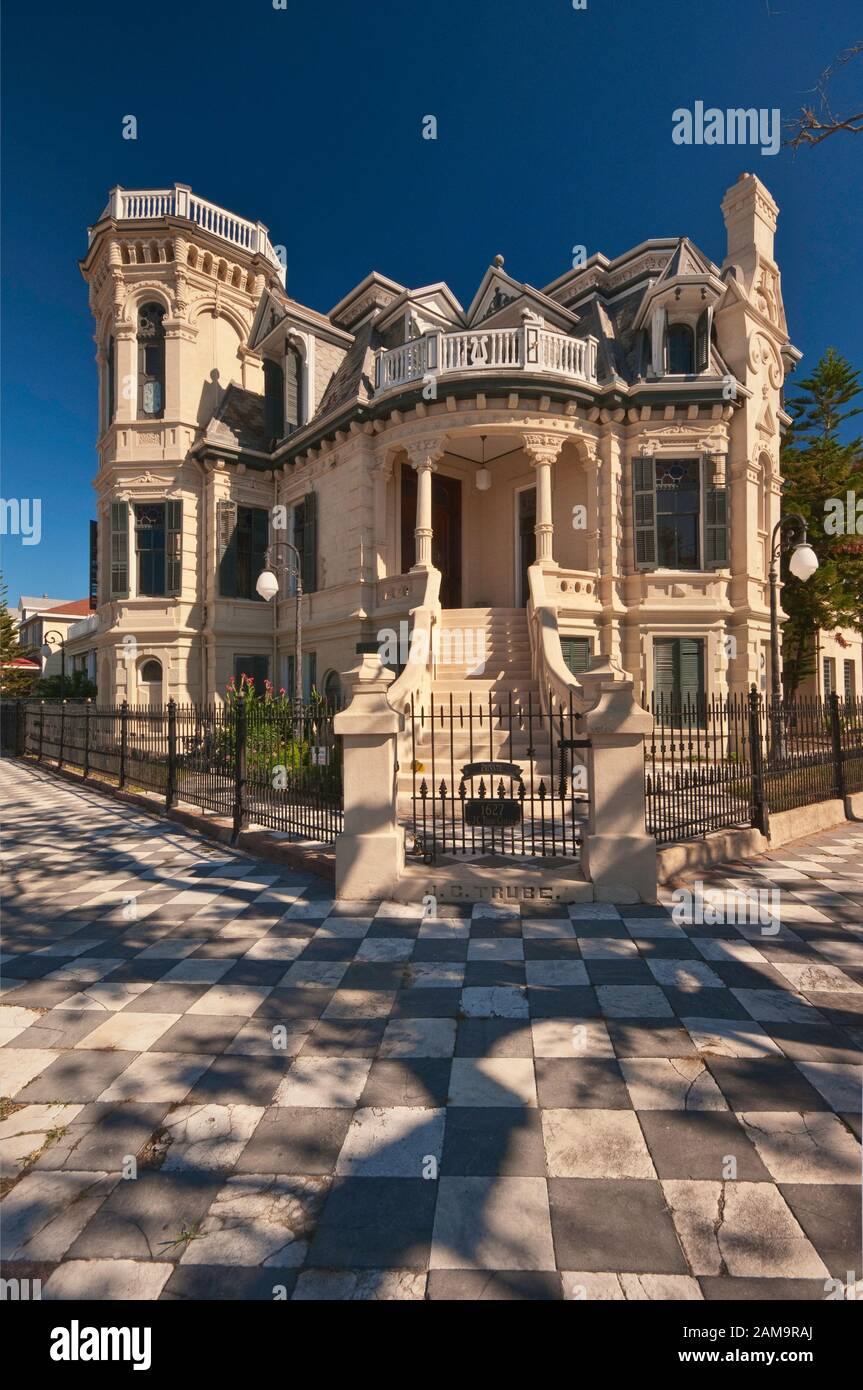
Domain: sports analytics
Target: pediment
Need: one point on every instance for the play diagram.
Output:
(270, 314)
(501, 301)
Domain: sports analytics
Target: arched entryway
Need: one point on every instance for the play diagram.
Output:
(150, 681)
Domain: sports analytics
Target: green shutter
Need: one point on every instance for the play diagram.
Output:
(274, 400)
(576, 653)
(664, 665)
(119, 549)
(260, 544)
(644, 510)
(173, 547)
(227, 519)
(310, 542)
(716, 527)
(691, 672)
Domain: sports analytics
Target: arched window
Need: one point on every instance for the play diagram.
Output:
(274, 400)
(151, 670)
(293, 388)
(151, 361)
(681, 349)
(332, 688)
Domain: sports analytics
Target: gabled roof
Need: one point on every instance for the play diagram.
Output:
(373, 293)
(498, 291)
(238, 421)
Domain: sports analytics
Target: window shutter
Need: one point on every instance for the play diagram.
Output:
(644, 511)
(94, 565)
(716, 527)
(227, 549)
(293, 389)
(173, 546)
(576, 653)
(260, 545)
(663, 673)
(828, 677)
(691, 679)
(119, 549)
(702, 339)
(274, 400)
(310, 542)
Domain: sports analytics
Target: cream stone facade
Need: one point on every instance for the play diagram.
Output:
(588, 473)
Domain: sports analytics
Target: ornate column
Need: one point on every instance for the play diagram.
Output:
(423, 455)
(542, 450)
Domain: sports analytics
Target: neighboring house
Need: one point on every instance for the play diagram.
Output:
(838, 666)
(38, 617)
(587, 470)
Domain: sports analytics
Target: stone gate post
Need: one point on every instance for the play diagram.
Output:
(370, 852)
(618, 854)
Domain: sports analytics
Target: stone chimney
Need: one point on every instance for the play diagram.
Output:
(750, 221)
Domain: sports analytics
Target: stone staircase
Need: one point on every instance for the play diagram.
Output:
(483, 676)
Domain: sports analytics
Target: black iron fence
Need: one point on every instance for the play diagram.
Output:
(495, 776)
(721, 763)
(258, 762)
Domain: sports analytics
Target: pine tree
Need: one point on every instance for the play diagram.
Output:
(12, 683)
(820, 471)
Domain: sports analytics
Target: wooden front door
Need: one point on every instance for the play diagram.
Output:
(526, 501)
(446, 525)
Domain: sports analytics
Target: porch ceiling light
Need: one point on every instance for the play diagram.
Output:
(483, 476)
(803, 562)
(267, 585)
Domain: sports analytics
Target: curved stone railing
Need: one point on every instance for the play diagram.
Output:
(549, 668)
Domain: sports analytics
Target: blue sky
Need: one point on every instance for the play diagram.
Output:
(554, 129)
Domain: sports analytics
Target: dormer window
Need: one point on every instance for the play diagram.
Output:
(151, 361)
(680, 350)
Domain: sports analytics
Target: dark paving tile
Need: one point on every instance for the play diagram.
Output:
(490, 927)
(814, 1042)
(485, 1285)
(722, 1288)
(376, 1223)
(433, 948)
(202, 1033)
(427, 1003)
(697, 1145)
(148, 1218)
(342, 1037)
(494, 974)
(552, 948)
(667, 948)
(493, 1141)
(613, 1224)
(284, 1004)
(619, 972)
(764, 1083)
(32, 967)
(830, 1215)
(40, 994)
(254, 972)
(738, 975)
(300, 1142)
(236, 1080)
(401, 927)
(705, 1003)
(367, 974)
(493, 1037)
(846, 1010)
(138, 972)
(101, 1137)
(648, 1038)
(165, 998)
(417, 1081)
(60, 1028)
(80, 1075)
(551, 1001)
(564, 1083)
(330, 948)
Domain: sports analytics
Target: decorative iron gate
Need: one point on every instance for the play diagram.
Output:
(496, 776)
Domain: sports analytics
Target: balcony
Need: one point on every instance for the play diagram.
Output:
(528, 348)
(143, 205)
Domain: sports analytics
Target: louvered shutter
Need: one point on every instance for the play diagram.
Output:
(310, 542)
(716, 527)
(260, 543)
(173, 546)
(691, 678)
(119, 549)
(274, 400)
(644, 511)
(664, 673)
(227, 518)
(576, 653)
(293, 389)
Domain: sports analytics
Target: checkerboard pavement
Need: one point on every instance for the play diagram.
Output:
(345, 1100)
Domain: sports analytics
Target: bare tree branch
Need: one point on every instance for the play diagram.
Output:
(816, 122)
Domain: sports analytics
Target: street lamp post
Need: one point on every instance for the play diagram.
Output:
(789, 534)
(268, 587)
(48, 650)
